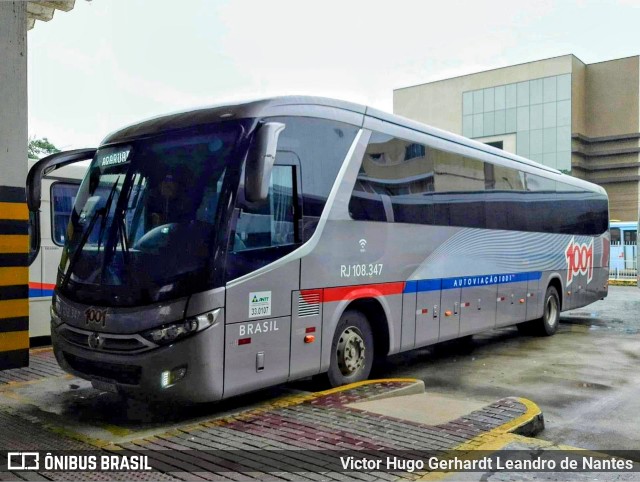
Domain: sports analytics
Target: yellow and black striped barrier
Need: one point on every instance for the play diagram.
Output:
(14, 278)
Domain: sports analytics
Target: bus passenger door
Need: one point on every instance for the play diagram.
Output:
(258, 305)
(512, 299)
(427, 311)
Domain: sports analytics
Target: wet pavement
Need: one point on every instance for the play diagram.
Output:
(299, 437)
(586, 378)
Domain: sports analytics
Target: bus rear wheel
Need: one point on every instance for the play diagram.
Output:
(351, 350)
(548, 324)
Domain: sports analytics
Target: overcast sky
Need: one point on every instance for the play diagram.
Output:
(108, 63)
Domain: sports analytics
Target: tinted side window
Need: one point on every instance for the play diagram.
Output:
(542, 215)
(63, 196)
(504, 192)
(264, 231)
(630, 237)
(320, 146)
(394, 181)
(567, 209)
(615, 236)
(406, 182)
(459, 190)
(271, 222)
(401, 181)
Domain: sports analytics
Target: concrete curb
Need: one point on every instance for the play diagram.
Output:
(416, 388)
(531, 423)
(623, 282)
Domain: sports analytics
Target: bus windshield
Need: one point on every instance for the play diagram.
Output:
(148, 216)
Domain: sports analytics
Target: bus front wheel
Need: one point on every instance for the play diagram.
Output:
(351, 350)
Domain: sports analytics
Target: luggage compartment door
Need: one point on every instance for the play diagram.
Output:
(449, 311)
(477, 308)
(511, 299)
(428, 312)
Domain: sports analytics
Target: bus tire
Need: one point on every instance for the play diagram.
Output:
(548, 324)
(351, 350)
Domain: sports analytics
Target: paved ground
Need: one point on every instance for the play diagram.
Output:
(297, 437)
(585, 378)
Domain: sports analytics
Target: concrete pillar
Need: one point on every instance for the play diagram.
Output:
(14, 239)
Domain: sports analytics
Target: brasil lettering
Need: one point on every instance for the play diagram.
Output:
(259, 327)
(579, 260)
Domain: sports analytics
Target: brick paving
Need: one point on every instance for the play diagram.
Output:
(297, 438)
(42, 364)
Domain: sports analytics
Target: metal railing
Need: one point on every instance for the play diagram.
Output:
(629, 272)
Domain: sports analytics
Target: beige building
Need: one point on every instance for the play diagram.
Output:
(583, 119)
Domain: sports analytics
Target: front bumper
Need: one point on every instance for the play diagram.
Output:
(139, 375)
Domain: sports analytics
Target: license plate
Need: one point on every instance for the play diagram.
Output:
(104, 386)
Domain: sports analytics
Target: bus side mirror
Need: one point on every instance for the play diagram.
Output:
(34, 189)
(260, 160)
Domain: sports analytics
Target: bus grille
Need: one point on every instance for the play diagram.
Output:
(127, 374)
(309, 303)
(110, 343)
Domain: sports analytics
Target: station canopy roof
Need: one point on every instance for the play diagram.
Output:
(44, 9)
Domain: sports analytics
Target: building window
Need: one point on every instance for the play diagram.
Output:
(538, 111)
(496, 144)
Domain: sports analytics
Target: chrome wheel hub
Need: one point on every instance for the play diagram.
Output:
(351, 351)
(551, 311)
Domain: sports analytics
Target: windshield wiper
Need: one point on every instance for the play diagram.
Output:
(83, 240)
(102, 212)
(123, 239)
(107, 208)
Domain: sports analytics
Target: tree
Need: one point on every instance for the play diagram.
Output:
(40, 148)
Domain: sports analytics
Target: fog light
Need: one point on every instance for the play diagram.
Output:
(171, 377)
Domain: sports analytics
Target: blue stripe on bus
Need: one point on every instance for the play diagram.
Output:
(414, 286)
(39, 293)
(429, 285)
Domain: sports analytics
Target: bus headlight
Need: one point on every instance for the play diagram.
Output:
(169, 333)
(55, 319)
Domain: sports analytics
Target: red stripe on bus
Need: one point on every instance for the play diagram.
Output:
(312, 296)
(41, 286)
(344, 293)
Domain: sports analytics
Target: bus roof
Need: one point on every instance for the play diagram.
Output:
(269, 106)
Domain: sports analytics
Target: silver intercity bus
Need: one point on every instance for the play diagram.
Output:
(218, 251)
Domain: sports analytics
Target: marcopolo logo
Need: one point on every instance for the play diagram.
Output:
(579, 260)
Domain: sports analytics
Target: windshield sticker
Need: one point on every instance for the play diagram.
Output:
(115, 158)
(259, 304)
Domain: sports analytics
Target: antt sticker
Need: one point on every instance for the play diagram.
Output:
(259, 304)
(579, 260)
